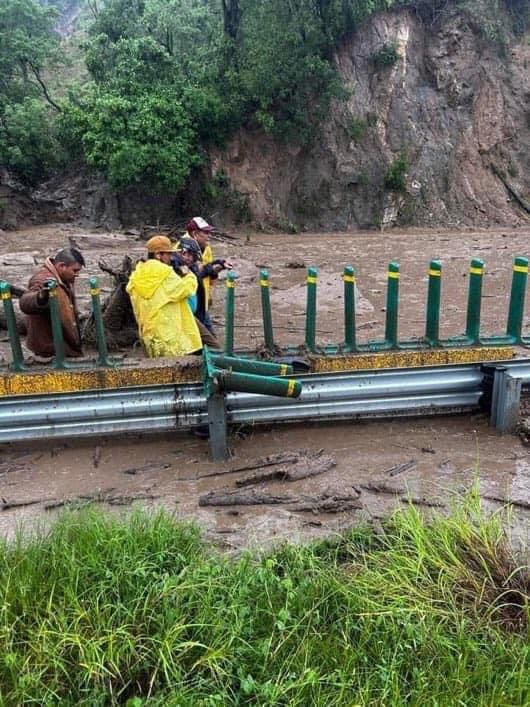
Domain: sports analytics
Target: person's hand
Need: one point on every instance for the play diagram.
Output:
(43, 296)
(184, 270)
(228, 264)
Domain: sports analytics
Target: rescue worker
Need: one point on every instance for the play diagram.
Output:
(188, 254)
(64, 269)
(199, 229)
(160, 303)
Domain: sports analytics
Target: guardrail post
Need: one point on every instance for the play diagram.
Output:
(217, 427)
(515, 313)
(101, 339)
(474, 300)
(17, 363)
(392, 305)
(57, 329)
(350, 343)
(229, 312)
(432, 327)
(266, 310)
(311, 309)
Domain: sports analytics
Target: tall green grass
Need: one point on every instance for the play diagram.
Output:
(101, 610)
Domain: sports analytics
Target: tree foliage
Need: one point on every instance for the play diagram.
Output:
(28, 45)
(169, 77)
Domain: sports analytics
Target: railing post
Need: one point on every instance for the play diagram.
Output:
(474, 300)
(349, 308)
(432, 326)
(57, 329)
(516, 310)
(17, 363)
(266, 310)
(101, 339)
(311, 308)
(392, 305)
(229, 312)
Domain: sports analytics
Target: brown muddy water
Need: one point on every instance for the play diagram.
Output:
(431, 462)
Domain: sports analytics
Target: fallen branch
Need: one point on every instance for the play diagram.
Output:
(242, 498)
(382, 487)
(153, 466)
(508, 501)
(400, 468)
(327, 503)
(302, 469)
(422, 501)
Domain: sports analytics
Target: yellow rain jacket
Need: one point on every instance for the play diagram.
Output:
(159, 299)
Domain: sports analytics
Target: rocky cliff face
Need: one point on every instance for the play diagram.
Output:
(454, 106)
(439, 101)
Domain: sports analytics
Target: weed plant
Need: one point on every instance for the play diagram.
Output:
(103, 610)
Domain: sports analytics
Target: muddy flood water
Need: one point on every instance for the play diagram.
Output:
(374, 467)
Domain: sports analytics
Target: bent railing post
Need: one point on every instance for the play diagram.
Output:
(266, 310)
(514, 325)
(17, 363)
(101, 339)
(432, 326)
(229, 312)
(392, 305)
(474, 300)
(311, 308)
(57, 329)
(350, 343)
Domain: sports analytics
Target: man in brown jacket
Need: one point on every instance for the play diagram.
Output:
(63, 268)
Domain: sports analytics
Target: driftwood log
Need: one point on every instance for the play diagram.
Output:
(322, 503)
(301, 467)
(118, 317)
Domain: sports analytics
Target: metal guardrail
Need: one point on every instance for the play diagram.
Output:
(331, 396)
(429, 340)
(184, 406)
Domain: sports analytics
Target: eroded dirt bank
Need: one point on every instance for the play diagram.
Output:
(379, 465)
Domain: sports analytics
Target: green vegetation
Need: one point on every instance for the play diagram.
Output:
(101, 610)
(388, 55)
(395, 174)
(167, 78)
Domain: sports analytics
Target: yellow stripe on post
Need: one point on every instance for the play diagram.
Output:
(6, 295)
(347, 278)
(264, 283)
(311, 281)
(94, 291)
(394, 275)
(476, 271)
(230, 284)
(435, 273)
(291, 387)
(520, 268)
(284, 369)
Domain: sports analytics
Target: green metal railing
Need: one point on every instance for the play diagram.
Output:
(59, 361)
(431, 338)
(235, 374)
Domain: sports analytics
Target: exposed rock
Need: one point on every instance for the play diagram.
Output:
(452, 104)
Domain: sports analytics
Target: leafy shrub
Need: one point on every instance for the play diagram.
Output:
(388, 55)
(395, 174)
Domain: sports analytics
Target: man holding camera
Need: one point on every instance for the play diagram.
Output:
(64, 269)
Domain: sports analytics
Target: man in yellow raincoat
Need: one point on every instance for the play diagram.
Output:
(160, 302)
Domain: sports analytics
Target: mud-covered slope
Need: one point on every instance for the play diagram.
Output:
(456, 105)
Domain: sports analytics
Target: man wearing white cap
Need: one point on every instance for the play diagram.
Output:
(199, 229)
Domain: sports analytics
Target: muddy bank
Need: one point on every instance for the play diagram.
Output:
(379, 466)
